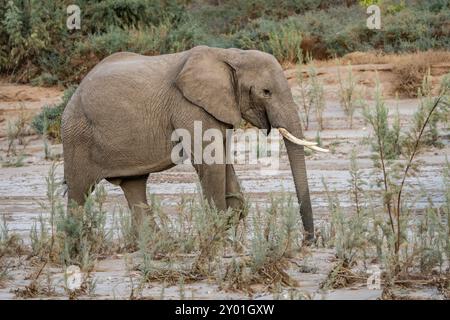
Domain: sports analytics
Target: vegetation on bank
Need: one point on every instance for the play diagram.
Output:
(383, 226)
(36, 46)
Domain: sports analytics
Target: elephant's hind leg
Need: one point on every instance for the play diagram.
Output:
(135, 190)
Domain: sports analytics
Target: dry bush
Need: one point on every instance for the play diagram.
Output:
(4, 273)
(10, 243)
(411, 249)
(409, 69)
(37, 288)
(219, 253)
(275, 237)
(16, 131)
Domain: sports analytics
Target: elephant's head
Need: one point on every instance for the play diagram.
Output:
(231, 84)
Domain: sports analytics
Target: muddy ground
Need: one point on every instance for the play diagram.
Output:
(22, 189)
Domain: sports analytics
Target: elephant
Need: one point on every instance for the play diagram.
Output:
(118, 124)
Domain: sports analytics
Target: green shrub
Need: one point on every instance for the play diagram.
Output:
(48, 121)
(36, 44)
(285, 44)
(388, 140)
(45, 80)
(445, 83)
(349, 93)
(283, 40)
(32, 30)
(316, 95)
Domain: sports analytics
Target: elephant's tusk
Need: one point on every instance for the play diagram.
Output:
(316, 148)
(295, 140)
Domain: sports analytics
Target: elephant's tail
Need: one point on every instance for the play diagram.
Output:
(64, 184)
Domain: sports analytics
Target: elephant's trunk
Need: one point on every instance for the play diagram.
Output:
(289, 120)
(296, 157)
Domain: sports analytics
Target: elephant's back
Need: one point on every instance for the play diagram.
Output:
(123, 101)
(126, 83)
(128, 65)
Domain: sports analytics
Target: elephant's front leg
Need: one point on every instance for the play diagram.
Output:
(221, 187)
(234, 196)
(213, 181)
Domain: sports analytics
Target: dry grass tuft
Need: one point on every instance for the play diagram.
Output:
(240, 275)
(173, 276)
(340, 276)
(275, 273)
(369, 57)
(37, 288)
(443, 285)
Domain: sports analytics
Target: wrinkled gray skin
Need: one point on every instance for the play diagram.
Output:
(119, 122)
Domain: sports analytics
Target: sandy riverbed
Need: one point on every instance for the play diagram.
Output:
(22, 189)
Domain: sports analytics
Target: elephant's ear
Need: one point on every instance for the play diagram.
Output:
(209, 82)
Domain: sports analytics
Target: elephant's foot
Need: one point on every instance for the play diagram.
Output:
(308, 240)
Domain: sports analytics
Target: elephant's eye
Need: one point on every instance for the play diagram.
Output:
(267, 93)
